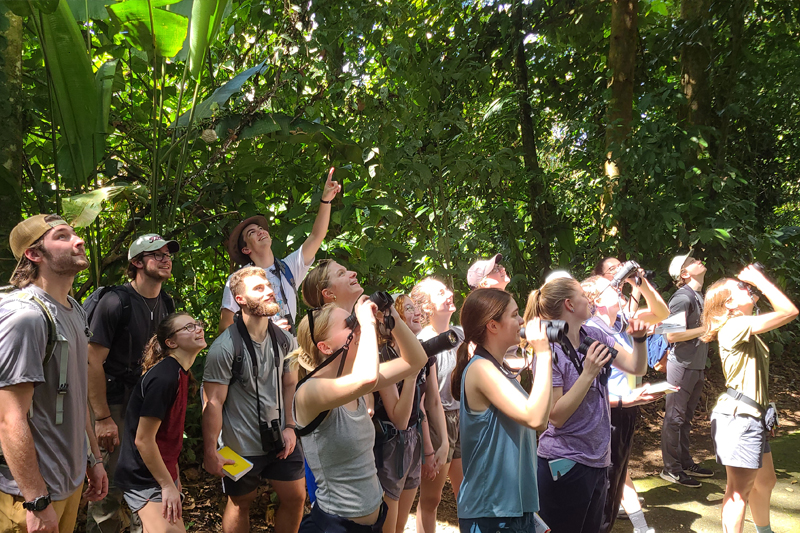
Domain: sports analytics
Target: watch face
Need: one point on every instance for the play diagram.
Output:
(39, 504)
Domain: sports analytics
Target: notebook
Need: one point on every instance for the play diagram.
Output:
(237, 469)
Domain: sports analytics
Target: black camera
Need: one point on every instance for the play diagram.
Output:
(628, 269)
(650, 276)
(439, 343)
(384, 302)
(271, 436)
(556, 331)
(587, 342)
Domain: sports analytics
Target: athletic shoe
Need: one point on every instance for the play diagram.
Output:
(621, 514)
(698, 471)
(649, 530)
(681, 479)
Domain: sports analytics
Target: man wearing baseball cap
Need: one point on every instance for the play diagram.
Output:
(251, 243)
(44, 419)
(123, 320)
(686, 365)
(488, 273)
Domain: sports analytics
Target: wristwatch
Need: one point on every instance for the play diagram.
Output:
(39, 504)
(91, 460)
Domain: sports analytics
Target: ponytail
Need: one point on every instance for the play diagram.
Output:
(156, 347)
(462, 358)
(548, 301)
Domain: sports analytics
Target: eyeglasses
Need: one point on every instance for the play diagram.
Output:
(410, 309)
(498, 269)
(159, 256)
(191, 327)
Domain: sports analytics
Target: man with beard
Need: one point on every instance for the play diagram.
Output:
(44, 420)
(124, 319)
(239, 405)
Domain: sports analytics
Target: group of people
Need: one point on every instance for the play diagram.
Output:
(366, 400)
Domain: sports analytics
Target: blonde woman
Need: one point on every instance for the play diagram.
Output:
(738, 424)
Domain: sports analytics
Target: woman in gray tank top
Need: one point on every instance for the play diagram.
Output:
(339, 367)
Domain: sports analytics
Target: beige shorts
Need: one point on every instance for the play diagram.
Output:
(451, 419)
(13, 516)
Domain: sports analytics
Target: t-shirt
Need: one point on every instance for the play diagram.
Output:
(445, 364)
(124, 360)
(60, 449)
(586, 436)
(619, 383)
(298, 268)
(240, 429)
(745, 364)
(688, 354)
(161, 393)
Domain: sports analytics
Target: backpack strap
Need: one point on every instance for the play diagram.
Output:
(238, 354)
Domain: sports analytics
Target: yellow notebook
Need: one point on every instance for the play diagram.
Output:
(239, 468)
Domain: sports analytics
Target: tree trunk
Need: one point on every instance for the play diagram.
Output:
(10, 133)
(621, 63)
(539, 202)
(695, 61)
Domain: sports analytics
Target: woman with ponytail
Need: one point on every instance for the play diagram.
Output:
(331, 283)
(147, 470)
(739, 421)
(573, 451)
(340, 364)
(498, 418)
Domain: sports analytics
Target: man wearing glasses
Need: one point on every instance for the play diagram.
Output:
(123, 320)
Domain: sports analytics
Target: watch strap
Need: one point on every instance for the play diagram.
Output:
(39, 504)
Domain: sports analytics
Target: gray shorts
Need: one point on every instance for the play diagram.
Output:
(739, 440)
(451, 419)
(408, 450)
(138, 498)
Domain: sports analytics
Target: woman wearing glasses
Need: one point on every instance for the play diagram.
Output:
(738, 423)
(147, 471)
(339, 365)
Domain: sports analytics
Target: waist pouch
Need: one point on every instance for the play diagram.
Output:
(769, 416)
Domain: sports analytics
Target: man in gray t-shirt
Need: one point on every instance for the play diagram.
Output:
(233, 403)
(44, 440)
(685, 369)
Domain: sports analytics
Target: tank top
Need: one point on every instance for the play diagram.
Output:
(339, 453)
(499, 460)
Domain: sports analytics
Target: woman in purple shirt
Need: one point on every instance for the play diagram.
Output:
(574, 451)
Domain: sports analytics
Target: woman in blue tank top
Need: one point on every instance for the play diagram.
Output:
(498, 418)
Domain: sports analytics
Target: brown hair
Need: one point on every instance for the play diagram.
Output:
(715, 312)
(589, 286)
(481, 307)
(133, 269)
(316, 281)
(156, 348)
(237, 278)
(27, 271)
(421, 297)
(680, 282)
(599, 267)
(308, 356)
(398, 303)
(547, 302)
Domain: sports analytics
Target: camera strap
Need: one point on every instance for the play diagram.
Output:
(278, 268)
(245, 335)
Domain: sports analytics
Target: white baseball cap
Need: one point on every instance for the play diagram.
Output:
(150, 243)
(677, 265)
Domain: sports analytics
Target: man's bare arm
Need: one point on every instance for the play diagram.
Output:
(17, 440)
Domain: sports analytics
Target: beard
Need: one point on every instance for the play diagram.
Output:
(152, 271)
(66, 264)
(255, 308)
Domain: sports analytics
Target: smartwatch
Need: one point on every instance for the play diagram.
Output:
(39, 504)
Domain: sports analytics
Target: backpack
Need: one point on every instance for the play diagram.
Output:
(124, 295)
(238, 349)
(657, 349)
(56, 342)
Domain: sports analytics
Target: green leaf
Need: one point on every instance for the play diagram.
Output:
(104, 81)
(206, 18)
(660, 7)
(151, 29)
(22, 8)
(97, 9)
(219, 98)
(75, 92)
(82, 209)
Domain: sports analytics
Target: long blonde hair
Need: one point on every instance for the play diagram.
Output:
(715, 313)
(307, 356)
(316, 281)
(547, 302)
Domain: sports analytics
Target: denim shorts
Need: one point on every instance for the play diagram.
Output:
(138, 498)
(515, 524)
(318, 521)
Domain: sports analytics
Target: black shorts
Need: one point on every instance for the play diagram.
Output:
(318, 521)
(266, 467)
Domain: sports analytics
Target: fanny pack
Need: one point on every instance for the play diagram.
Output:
(769, 416)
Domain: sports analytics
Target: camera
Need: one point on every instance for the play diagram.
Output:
(650, 276)
(384, 302)
(588, 341)
(271, 436)
(439, 343)
(556, 330)
(629, 269)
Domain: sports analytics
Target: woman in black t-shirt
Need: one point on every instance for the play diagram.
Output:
(147, 470)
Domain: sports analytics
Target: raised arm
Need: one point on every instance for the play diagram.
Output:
(633, 362)
(784, 311)
(399, 406)
(320, 228)
(657, 309)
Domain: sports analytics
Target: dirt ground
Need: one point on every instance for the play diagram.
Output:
(205, 501)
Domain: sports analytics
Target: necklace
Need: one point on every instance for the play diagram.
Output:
(151, 309)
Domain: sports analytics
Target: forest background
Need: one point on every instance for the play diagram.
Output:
(555, 132)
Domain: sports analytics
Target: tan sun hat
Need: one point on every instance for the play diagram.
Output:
(29, 231)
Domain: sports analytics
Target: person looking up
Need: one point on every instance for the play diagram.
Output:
(498, 418)
(241, 408)
(330, 282)
(435, 301)
(250, 242)
(686, 364)
(122, 322)
(43, 345)
(741, 421)
(576, 441)
(488, 273)
(332, 410)
(147, 471)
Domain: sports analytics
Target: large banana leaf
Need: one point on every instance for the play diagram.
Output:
(22, 8)
(104, 81)
(82, 209)
(164, 36)
(96, 9)
(219, 98)
(206, 18)
(75, 93)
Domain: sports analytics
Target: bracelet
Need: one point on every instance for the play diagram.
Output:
(291, 426)
(640, 340)
(99, 419)
(328, 202)
(619, 402)
(429, 454)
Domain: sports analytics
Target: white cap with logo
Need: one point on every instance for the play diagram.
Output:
(150, 243)
(677, 264)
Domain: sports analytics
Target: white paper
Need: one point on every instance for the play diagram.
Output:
(673, 324)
